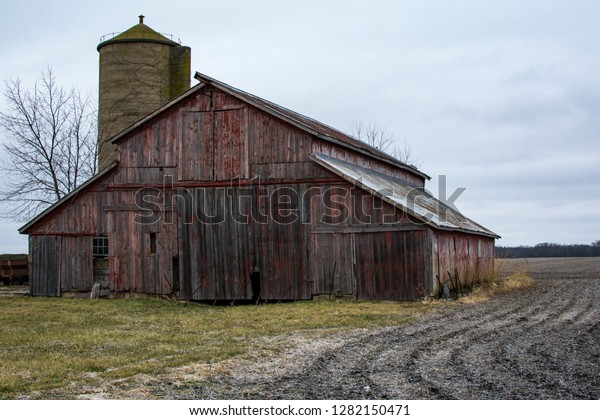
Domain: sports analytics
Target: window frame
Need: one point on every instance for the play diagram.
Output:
(100, 246)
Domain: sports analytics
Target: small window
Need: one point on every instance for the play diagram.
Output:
(153, 243)
(100, 246)
(479, 250)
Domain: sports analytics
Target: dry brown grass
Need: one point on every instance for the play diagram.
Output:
(505, 279)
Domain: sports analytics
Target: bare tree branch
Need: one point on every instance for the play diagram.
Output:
(379, 137)
(51, 145)
(373, 134)
(405, 155)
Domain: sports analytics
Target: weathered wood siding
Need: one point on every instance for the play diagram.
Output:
(392, 265)
(279, 150)
(217, 244)
(80, 217)
(471, 257)
(155, 145)
(362, 246)
(44, 277)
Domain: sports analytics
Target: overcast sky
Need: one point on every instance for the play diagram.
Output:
(501, 97)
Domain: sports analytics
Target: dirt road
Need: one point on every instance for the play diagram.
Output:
(541, 343)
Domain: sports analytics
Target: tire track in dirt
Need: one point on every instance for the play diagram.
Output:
(511, 349)
(447, 349)
(499, 341)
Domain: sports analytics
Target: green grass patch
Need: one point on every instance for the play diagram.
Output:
(50, 343)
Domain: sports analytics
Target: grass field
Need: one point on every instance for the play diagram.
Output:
(49, 343)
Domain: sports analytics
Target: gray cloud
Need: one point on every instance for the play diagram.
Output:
(502, 97)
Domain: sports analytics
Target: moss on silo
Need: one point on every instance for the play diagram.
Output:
(140, 70)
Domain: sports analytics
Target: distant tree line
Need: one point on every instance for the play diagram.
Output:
(549, 250)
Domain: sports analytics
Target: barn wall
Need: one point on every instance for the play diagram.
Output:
(103, 210)
(61, 243)
(362, 246)
(76, 263)
(469, 256)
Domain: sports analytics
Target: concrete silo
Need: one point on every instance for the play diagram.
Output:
(140, 70)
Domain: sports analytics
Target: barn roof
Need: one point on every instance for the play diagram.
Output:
(310, 125)
(69, 197)
(414, 201)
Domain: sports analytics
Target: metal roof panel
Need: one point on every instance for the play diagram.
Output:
(417, 202)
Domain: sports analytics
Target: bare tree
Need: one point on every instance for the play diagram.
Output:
(381, 138)
(51, 145)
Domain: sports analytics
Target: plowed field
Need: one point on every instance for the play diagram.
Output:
(539, 343)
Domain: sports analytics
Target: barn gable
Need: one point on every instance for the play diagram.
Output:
(286, 137)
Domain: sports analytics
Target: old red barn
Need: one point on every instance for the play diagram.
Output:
(222, 195)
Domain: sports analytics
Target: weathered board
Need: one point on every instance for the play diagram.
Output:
(217, 245)
(392, 265)
(44, 278)
(463, 257)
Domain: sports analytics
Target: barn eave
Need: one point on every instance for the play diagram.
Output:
(67, 198)
(416, 202)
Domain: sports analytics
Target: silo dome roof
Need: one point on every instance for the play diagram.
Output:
(137, 33)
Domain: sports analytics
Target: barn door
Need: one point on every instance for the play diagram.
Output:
(217, 253)
(392, 265)
(214, 145)
(332, 263)
(100, 272)
(44, 279)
